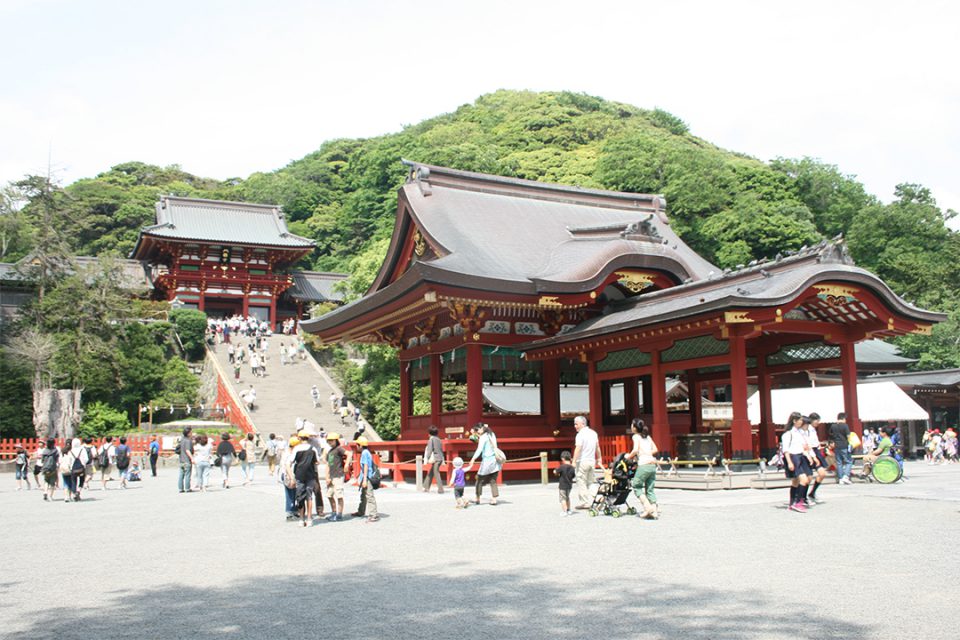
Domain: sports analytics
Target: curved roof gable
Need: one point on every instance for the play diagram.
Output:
(533, 236)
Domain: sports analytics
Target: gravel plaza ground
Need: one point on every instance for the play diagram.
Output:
(873, 561)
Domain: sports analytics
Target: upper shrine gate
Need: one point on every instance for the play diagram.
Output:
(498, 280)
(229, 258)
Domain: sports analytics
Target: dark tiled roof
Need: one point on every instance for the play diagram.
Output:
(942, 377)
(878, 352)
(315, 286)
(221, 221)
(546, 237)
(763, 285)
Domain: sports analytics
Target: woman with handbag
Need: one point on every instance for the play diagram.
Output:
(225, 453)
(489, 461)
(432, 459)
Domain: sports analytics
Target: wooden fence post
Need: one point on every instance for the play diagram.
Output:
(544, 478)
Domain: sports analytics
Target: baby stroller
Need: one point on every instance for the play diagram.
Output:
(614, 488)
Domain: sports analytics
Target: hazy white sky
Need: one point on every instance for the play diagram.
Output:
(225, 88)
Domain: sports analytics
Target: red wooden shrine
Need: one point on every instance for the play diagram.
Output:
(491, 280)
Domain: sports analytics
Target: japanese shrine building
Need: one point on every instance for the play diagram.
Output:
(229, 258)
(492, 279)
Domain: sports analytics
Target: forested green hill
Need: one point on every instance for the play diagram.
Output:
(728, 206)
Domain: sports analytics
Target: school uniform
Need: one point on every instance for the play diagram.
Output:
(794, 444)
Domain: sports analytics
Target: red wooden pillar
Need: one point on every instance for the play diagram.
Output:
(740, 426)
(200, 305)
(273, 312)
(696, 401)
(246, 306)
(406, 397)
(550, 392)
(848, 371)
(596, 398)
(436, 390)
(768, 437)
(660, 429)
(474, 384)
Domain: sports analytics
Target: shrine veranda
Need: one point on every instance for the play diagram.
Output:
(149, 562)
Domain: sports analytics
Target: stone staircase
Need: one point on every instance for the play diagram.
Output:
(283, 394)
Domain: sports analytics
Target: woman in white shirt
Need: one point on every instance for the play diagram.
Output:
(645, 451)
(202, 457)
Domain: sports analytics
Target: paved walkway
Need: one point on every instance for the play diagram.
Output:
(872, 562)
(283, 395)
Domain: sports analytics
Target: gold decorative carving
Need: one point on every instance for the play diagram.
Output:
(550, 301)
(468, 316)
(430, 296)
(836, 295)
(923, 329)
(419, 244)
(635, 281)
(736, 317)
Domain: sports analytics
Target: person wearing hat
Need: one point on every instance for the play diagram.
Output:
(21, 466)
(304, 465)
(338, 459)
(368, 499)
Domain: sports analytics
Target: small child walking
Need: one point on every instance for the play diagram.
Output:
(567, 475)
(459, 481)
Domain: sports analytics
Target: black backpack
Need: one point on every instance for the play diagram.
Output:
(104, 459)
(374, 478)
(78, 467)
(242, 454)
(49, 461)
(123, 457)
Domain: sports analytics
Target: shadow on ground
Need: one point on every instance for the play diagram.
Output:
(372, 602)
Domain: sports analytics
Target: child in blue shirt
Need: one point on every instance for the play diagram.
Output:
(459, 481)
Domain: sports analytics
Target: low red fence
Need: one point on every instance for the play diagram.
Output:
(523, 454)
(138, 445)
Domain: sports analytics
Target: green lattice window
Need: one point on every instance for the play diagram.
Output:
(804, 353)
(625, 359)
(699, 347)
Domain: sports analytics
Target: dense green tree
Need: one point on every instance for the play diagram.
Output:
(100, 419)
(16, 398)
(191, 326)
(179, 385)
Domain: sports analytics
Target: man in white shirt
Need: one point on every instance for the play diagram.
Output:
(586, 456)
(106, 472)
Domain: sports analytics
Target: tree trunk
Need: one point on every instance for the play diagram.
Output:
(56, 412)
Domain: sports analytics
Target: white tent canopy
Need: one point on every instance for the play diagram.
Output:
(878, 402)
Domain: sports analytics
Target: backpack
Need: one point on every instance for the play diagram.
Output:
(123, 457)
(104, 459)
(22, 459)
(49, 464)
(242, 455)
(374, 478)
(77, 468)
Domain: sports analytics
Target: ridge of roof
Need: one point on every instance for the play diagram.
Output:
(221, 203)
(428, 173)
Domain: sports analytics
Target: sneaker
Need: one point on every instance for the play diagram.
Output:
(570, 513)
(814, 500)
(339, 517)
(331, 518)
(799, 507)
(356, 514)
(373, 519)
(565, 514)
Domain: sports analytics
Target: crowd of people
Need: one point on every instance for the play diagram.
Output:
(197, 455)
(75, 467)
(940, 448)
(313, 466)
